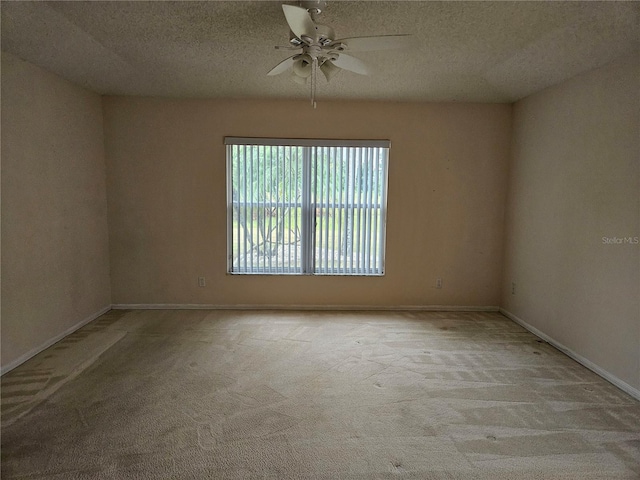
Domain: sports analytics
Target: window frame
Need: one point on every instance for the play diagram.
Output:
(307, 204)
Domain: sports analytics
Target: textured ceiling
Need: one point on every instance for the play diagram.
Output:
(462, 51)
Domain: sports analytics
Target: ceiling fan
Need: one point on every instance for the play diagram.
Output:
(321, 50)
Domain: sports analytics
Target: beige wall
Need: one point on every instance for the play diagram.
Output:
(55, 265)
(167, 213)
(574, 179)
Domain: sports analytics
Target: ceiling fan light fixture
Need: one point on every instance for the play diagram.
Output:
(302, 66)
(299, 80)
(329, 69)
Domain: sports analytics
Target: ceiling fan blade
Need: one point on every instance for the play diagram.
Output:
(283, 65)
(329, 69)
(299, 21)
(367, 44)
(347, 62)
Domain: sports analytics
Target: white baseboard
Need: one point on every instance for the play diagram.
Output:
(384, 308)
(32, 353)
(634, 392)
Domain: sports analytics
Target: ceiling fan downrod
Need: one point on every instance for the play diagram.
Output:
(314, 7)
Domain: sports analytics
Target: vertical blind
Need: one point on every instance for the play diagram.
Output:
(306, 206)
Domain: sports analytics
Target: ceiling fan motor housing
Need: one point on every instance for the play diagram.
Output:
(324, 34)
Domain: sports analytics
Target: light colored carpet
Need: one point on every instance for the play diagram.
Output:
(286, 395)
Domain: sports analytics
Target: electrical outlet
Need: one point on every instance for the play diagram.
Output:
(438, 283)
(202, 282)
(513, 288)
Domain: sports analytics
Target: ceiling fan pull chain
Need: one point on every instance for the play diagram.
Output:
(314, 80)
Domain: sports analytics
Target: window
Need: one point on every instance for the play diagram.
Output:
(306, 206)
